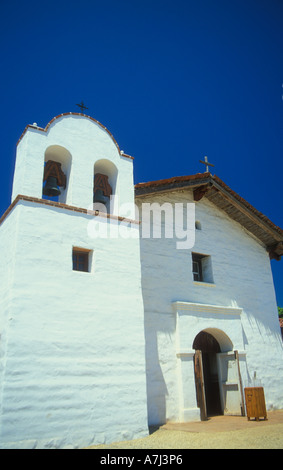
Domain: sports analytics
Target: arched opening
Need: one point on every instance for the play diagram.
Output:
(208, 343)
(105, 186)
(57, 159)
(198, 225)
(223, 340)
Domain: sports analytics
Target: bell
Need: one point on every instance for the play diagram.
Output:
(99, 197)
(51, 187)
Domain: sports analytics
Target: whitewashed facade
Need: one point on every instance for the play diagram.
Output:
(93, 357)
(237, 306)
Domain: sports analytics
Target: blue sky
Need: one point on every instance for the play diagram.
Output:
(171, 80)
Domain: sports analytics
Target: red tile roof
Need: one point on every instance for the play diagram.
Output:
(202, 179)
(216, 191)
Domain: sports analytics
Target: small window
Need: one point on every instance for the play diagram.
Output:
(202, 268)
(198, 225)
(81, 259)
(197, 267)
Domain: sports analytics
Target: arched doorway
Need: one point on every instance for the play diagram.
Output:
(206, 371)
(217, 375)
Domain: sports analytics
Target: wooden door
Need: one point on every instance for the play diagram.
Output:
(199, 380)
(230, 384)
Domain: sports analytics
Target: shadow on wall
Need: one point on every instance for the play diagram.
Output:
(155, 383)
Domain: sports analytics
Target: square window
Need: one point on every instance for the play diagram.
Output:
(81, 259)
(202, 268)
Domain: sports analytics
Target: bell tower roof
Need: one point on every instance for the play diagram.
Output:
(41, 129)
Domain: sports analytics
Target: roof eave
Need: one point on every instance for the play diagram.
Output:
(216, 191)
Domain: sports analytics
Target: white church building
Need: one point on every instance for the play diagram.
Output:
(127, 306)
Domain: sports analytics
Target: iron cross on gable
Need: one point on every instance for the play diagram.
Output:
(82, 107)
(206, 163)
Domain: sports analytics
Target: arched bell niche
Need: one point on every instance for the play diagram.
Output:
(57, 172)
(105, 176)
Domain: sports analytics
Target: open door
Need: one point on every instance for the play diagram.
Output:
(199, 380)
(231, 392)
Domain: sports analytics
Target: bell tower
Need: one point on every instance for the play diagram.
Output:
(72, 324)
(63, 160)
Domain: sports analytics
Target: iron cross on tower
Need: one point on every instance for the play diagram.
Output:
(82, 107)
(205, 162)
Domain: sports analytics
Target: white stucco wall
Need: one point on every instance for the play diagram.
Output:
(8, 241)
(73, 369)
(242, 280)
